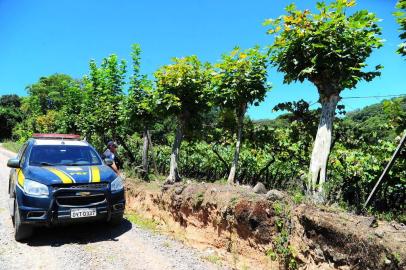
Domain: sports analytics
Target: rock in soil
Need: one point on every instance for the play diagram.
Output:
(275, 195)
(260, 188)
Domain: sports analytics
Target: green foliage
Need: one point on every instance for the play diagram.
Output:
(281, 245)
(328, 48)
(141, 104)
(401, 19)
(10, 114)
(142, 222)
(12, 146)
(52, 105)
(103, 98)
(240, 79)
(183, 88)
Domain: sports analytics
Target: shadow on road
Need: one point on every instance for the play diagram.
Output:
(78, 234)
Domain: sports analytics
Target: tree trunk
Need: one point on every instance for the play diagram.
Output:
(220, 158)
(233, 170)
(145, 153)
(126, 148)
(152, 152)
(322, 144)
(173, 169)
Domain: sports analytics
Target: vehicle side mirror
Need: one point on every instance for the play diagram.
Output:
(108, 161)
(13, 163)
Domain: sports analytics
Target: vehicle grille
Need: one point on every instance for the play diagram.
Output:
(78, 200)
(80, 195)
(89, 186)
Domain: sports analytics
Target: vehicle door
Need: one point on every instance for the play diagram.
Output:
(14, 172)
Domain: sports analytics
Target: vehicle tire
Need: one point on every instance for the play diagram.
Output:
(14, 211)
(21, 231)
(116, 220)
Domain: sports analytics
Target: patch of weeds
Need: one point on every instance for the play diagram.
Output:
(198, 199)
(222, 181)
(215, 259)
(278, 208)
(281, 247)
(396, 257)
(12, 146)
(166, 244)
(270, 253)
(233, 201)
(279, 224)
(297, 197)
(142, 222)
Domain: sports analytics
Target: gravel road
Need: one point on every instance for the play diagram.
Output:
(89, 246)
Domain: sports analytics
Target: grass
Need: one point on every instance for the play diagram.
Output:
(142, 222)
(12, 146)
(198, 200)
(215, 259)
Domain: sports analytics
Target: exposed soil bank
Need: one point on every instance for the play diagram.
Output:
(251, 231)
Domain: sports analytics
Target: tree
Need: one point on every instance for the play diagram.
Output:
(401, 19)
(183, 90)
(240, 81)
(328, 48)
(48, 106)
(141, 105)
(103, 105)
(48, 93)
(10, 114)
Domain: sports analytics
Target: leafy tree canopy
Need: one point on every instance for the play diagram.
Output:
(183, 87)
(401, 18)
(241, 78)
(328, 48)
(48, 93)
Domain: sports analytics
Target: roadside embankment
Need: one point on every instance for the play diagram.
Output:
(246, 230)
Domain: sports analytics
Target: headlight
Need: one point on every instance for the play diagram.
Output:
(117, 184)
(33, 188)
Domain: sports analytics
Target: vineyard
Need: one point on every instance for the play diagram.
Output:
(190, 121)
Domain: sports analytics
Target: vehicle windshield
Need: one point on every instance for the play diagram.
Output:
(68, 155)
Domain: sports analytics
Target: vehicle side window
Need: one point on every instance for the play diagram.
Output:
(21, 154)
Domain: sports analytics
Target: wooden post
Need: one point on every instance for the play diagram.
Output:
(388, 166)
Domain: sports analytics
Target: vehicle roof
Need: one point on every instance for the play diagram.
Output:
(59, 142)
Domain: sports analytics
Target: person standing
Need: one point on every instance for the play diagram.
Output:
(111, 153)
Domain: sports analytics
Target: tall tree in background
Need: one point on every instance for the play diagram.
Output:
(42, 109)
(103, 105)
(401, 18)
(183, 90)
(141, 105)
(10, 114)
(329, 48)
(240, 81)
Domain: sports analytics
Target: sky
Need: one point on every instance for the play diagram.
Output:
(43, 37)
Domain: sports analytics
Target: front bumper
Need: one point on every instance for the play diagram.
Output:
(57, 208)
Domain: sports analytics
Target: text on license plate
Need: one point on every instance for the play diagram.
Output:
(82, 212)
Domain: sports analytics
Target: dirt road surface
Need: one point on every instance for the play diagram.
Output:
(89, 246)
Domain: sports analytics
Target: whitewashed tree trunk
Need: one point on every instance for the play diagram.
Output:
(173, 169)
(234, 165)
(145, 147)
(322, 144)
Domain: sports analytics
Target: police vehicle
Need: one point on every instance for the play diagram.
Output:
(58, 178)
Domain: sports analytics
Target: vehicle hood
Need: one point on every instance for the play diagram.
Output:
(49, 175)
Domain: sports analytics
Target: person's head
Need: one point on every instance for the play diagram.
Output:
(112, 146)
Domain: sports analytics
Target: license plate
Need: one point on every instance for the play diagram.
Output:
(83, 212)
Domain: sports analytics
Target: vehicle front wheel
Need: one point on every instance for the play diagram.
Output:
(116, 220)
(21, 231)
